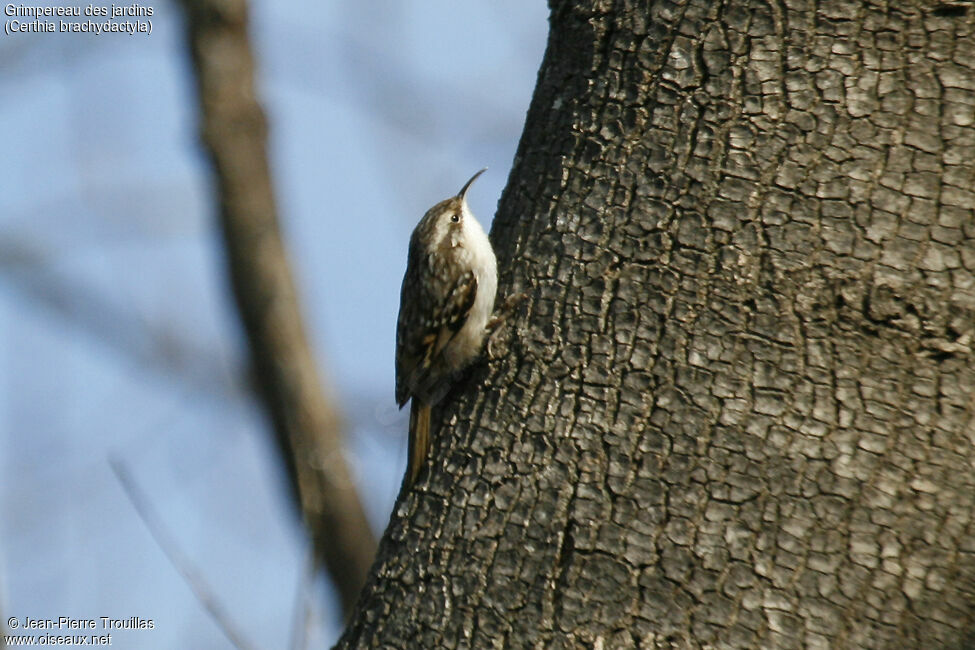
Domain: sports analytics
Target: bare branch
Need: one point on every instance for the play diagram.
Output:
(176, 556)
(158, 348)
(302, 613)
(307, 424)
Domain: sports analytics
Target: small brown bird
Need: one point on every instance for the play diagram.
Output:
(445, 304)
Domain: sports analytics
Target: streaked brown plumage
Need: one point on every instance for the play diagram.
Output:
(446, 301)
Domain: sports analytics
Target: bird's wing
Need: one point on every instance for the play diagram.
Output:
(428, 320)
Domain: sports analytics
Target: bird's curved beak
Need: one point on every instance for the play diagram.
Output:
(462, 195)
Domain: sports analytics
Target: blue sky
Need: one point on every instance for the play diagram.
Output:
(117, 335)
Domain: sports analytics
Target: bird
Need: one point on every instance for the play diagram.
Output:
(446, 302)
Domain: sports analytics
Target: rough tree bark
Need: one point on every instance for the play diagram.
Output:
(738, 408)
(307, 425)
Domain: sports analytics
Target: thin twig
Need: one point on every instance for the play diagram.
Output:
(175, 555)
(302, 613)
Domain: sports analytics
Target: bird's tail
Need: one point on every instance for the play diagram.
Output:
(419, 439)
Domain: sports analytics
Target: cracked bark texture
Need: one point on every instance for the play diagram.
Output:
(736, 409)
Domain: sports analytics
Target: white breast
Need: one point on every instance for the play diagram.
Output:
(479, 257)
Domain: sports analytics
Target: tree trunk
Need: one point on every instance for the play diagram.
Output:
(737, 410)
(306, 423)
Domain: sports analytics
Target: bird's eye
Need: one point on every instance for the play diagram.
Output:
(455, 218)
